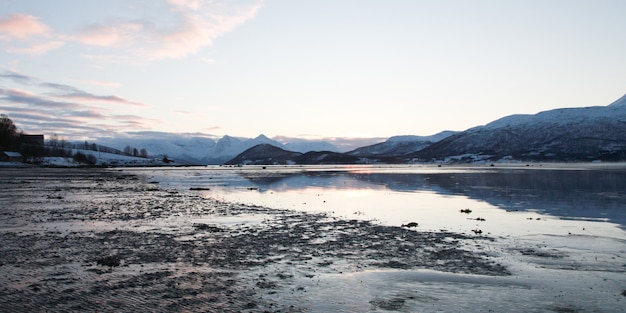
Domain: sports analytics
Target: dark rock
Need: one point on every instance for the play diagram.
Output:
(209, 228)
(110, 261)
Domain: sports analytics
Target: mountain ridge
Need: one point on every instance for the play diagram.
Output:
(596, 133)
(562, 134)
(195, 149)
(267, 154)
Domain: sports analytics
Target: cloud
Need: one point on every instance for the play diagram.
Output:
(17, 77)
(194, 34)
(85, 115)
(183, 28)
(212, 128)
(27, 98)
(73, 93)
(34, 123)
(27, 29)
(134, 121)
(150, 134)
(187, 27)
(22, 26)
(53, 108)
(38, 49)
(88, 97)
(100, 83)
(198, 27)
(108, 36)
(60, 87)
(109, 58)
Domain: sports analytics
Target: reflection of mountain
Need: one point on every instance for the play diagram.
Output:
(590, 194)
(580, 193)
(301, 180)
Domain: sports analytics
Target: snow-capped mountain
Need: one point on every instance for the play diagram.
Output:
(570, 134)
(228, 147)
(196, 149)
(399, 145)
(183, 148)
(389, 151)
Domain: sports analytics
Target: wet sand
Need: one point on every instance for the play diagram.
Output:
(105, 240)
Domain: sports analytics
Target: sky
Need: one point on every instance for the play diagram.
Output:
(310, 69)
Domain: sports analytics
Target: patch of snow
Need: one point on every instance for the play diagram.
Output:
(103, 158)
(475, 158)
(229, 147)
(59, 161)
(558, 116)
(510, 120)
(432, 138)
(162, 144)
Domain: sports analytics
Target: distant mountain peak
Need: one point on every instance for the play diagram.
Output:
(262, 137)
(619, 102)
(227, 138)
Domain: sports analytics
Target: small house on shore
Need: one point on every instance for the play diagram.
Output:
(8, 156)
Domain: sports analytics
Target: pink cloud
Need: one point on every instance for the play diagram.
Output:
(21, 97)
(16, 93)
(199, 29)
(67, 109)
(107, 36)
(109, 58)
(88, 97)
(195, 34)
(38, 49)
(21, 26)
(183, 112)
(184, 28)
(212, 128)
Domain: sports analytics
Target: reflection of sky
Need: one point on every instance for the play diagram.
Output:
(430, 196)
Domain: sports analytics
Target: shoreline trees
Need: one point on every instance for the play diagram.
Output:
(33, 147)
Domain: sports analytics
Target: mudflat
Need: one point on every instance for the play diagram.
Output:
(105, 240)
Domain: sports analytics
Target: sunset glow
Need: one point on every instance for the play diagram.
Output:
(319, 69)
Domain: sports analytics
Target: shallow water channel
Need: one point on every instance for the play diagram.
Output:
(559, 228)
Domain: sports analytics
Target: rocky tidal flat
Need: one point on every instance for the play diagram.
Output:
(105, 240)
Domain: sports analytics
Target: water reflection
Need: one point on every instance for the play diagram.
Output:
(596, 194)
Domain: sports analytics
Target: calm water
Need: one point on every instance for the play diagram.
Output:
(559, 228)
(513, 200)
